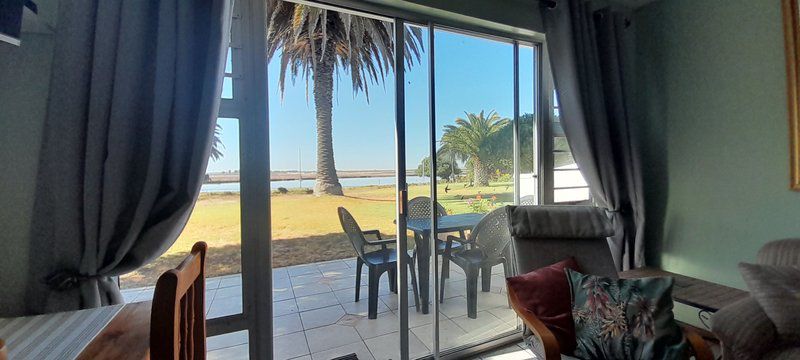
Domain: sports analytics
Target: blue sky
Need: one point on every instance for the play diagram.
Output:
(472, 74)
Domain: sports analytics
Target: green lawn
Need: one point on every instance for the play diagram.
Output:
(305, 228)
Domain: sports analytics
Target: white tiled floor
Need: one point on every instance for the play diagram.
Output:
(316, 316)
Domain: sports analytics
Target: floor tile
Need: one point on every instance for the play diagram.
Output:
(224, 307)
(234, 280)
(290, 346)
(228, 292)
(391, 300)
(286, 324)
(490, 300)
(505, 314)
(282, 294)
(238, 352)
(416, 318)
(454, 307)
(302, 270)
(285, 307)
(333, 266)
(212, 283)
(450, 334)
(362, 307)
(485, 326)
(306, 279)
(279, 273)
(509, 353)
(129, 296)
(359, 348)
(331, 336)
(369, 328)
(310, 289)
(226, 340)
(318, 301)
(321, 317)
(387, 347)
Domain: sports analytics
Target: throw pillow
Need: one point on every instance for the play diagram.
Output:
(624, 318)
(545, 293)
(777, 291)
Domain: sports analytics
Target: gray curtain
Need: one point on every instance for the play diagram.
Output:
(590, 53)
(134, 94)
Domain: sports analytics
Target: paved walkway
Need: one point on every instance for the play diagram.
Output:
(316, 316)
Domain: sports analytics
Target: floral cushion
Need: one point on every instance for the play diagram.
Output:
(624, 319)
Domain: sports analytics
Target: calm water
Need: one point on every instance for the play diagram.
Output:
(294, 184)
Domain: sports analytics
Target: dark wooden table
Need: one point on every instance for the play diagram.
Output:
(126, 337)
(445, 224)
(701, 294)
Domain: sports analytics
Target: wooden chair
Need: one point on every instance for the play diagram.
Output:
(177, 319)
(543, 235)
(3, 350)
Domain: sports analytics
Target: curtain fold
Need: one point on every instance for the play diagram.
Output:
(134, 96)
(590, 55)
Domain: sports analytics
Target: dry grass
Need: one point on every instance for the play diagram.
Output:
(305, 228)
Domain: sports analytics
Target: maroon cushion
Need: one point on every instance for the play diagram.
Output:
(546, 293)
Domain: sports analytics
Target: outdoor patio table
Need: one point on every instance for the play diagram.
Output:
(446, 224)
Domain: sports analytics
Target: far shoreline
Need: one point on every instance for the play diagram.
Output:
(227, 178)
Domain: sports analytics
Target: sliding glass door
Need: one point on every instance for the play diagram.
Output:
(383, 145)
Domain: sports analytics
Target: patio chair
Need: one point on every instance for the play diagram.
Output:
(489, 241)
(377, 261)
(543, 235)
(420, 208)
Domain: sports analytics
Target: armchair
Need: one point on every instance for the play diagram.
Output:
(745, 330)
(543, 235)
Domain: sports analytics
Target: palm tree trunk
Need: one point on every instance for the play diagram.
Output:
(327, 182)
(480, 172)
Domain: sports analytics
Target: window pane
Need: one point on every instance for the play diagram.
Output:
(227, 88)
(229, 63)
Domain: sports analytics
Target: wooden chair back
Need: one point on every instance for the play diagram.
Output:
(177, 319)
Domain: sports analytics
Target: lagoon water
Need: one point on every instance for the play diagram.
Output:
(309, 184)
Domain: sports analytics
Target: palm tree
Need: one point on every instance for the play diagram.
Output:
(470, 140)
(216, 144)
(314, 43)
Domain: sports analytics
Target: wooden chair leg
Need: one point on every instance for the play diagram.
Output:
(359, 266)
(486, 278)
(374, 278)
(472, 292)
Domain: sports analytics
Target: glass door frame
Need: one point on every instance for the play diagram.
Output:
(252, 110)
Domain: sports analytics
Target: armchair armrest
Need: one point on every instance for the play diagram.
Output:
(744, 330)
(698, 346)
(539, 329)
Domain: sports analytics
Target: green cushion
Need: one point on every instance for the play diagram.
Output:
(625, 318)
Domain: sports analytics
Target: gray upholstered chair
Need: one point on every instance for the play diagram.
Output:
(544, 235)
(744, 329)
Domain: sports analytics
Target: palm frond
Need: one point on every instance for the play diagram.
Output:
(363, 47)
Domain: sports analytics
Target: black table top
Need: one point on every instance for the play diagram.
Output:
(449, 223)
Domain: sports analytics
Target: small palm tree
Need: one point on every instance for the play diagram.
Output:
(470, 140)
(314, 43)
